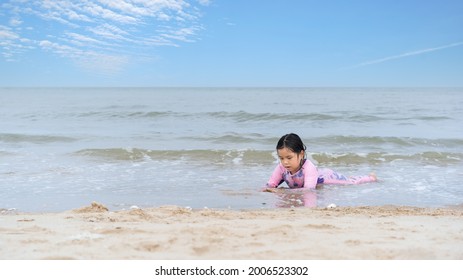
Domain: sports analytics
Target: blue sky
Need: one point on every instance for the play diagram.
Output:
(231, 43)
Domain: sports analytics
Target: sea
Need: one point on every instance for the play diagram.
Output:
(63, 148)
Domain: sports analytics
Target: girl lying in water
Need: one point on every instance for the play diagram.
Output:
(298, 172)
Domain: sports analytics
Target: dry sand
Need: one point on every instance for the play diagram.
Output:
(172, 232)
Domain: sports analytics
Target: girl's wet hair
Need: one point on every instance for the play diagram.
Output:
(291, 141)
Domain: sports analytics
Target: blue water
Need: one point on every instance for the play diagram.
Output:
(62, 148)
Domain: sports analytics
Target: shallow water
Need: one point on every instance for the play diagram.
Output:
(214, 147)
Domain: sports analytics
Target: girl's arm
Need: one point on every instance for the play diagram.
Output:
(310, 175)
(276, 178)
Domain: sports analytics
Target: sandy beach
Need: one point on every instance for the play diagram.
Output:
(170, 232)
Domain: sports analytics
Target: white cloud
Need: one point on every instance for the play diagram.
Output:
(62, 50)
(109, 32)
(64, 12)
(183, 34)
(15, 22)
(103, 13)
(204, 2)
(82, 40)
(103, 31)
(91, 60)
(159, 41)
(7, 34)
(412, 53)
(103, 63)
(144, 8)
(11, 44)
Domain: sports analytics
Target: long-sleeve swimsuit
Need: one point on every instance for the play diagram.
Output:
(309, 176)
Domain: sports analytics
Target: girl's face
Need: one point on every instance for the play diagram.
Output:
(290, 160)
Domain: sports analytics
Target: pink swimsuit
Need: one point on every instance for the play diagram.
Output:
(309, 176)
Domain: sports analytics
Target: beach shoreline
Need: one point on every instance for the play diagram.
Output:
(172, 232)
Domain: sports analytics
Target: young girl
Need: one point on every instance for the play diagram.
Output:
(298, 172)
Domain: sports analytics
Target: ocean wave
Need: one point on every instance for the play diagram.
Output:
(136, 113)
(233, 138)
(36, 139)
(239, 116)
(383, 141)
(127, 114)
(264, 157)
(243, 116)
(334, 141)
(213, 156)
(429, 157)
(3, 153)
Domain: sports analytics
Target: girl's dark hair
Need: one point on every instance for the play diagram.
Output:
(291, 141)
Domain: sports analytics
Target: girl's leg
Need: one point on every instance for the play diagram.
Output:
(331, 177)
